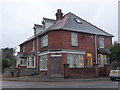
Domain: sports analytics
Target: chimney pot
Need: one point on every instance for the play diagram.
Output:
(59, 14)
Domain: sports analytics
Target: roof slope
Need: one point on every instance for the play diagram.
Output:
(72, 22)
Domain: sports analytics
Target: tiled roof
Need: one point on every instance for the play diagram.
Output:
(29, 39)
(71, 22)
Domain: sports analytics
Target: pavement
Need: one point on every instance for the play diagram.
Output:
(38, 78)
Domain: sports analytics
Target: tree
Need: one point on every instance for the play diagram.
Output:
(115, 53)
(8, 57)
(5, 63)
(9, 54)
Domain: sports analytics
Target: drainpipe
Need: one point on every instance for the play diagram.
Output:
(37, 56)
(96, 48)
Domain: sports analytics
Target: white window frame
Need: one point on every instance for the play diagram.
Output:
(74, 39)
(43, 57)
(23, 62)
(102, 42)
(29, 59)
(102, 61)
(44, 41)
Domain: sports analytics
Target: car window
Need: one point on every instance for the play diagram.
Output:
(116, 68)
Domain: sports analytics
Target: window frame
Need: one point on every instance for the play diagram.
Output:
(44, 41)
(73, 62)
(101, 42)
(23, 62)
(41, 67)
(74, 39)
(33, 45)
(29, 59)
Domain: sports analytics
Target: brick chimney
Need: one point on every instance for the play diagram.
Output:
(59, 14)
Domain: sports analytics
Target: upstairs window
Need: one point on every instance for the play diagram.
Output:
(23, 48)
(101, 41)
(74, 39)
(44, 41)
(33, 46)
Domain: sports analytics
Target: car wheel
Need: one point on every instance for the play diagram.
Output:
(112, 78)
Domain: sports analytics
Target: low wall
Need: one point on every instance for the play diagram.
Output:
(82, 72)
(90, 72)
(23, 72)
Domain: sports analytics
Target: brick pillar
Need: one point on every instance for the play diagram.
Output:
(66, 70)
(96, 67)
(107, 69)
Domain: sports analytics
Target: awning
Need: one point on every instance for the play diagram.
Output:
(104, 50)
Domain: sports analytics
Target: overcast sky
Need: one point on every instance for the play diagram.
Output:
(17, 17)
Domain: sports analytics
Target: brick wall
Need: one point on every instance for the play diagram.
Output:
(92, 72)
(82, 72)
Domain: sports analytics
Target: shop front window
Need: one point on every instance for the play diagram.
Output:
(75, 60)
(43, 62)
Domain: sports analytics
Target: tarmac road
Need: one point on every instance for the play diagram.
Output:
(98, 83)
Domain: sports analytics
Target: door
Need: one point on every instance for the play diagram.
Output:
(55, 65)
(89, 60)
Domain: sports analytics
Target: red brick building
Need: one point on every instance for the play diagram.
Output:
(67, 40)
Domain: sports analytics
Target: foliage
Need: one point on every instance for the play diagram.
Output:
(9, 54)
(115, 53)
(6, 62)
(8, 57)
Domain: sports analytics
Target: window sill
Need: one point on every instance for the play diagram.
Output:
(31, 67)
(43, 69)
(73, 46)
(44, 47)
(22, 65)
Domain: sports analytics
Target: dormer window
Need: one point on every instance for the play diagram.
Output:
(43, 26)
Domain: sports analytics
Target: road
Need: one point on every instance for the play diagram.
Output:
(65, 84)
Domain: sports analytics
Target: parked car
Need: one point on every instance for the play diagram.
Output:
(115, 73)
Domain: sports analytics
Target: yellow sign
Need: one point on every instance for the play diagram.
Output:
(89, 54)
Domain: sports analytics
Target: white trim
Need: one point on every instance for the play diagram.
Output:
(28, 59)
(72, 52)
(43, 69)
(56, 55)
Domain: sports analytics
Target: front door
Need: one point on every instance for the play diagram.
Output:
(55, 65)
